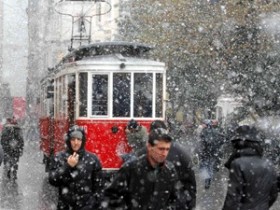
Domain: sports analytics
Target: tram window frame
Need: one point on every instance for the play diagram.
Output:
(58, 97)
(64, 97)
(159, 95)
(121, 105)
(102, 105)
(43, 100)
(47, 102)
(71, 97)
(143, 94)
(55, 98)
(61, 97)
(83, 94)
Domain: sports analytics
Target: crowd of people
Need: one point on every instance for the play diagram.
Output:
(158, 174)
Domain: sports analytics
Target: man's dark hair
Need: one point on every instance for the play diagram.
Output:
(158, 124)
(159, 134)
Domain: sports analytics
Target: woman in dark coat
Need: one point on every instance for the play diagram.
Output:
(76, 173)
(252, 179)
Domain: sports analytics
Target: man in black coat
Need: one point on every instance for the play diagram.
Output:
(77, 174)
(149, 182)
(12, 143)
(181, 158)
(252, 179)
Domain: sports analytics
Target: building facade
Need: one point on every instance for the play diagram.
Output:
(12, 59)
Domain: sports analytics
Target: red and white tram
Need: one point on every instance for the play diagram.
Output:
(101, 87)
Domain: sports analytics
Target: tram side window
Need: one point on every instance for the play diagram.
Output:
(59, 99)
(43, 101)
(83, 81)
(49, 99)
(71, 98)
(159, 95)
(121, 94)
(100, 94)
(143, 94)
(63, 97)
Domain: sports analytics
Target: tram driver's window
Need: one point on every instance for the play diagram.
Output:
(143, 94)
(121, 94)
(100, 94)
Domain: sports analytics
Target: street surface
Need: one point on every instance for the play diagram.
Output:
(213, 198)
(32, 191)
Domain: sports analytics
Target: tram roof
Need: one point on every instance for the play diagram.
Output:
(129, 49)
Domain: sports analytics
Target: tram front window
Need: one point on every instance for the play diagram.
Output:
(100, 94)
(121, 94)
(159, 95)
(143, 94)
(83, 78)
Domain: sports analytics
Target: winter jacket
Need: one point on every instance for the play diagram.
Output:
(139, 186)
(252, 182)
(12, 141)
(180, 157)
(79, 187)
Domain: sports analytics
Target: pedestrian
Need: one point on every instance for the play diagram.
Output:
(12, 143)
(220, 140)
(148, 182)
(252, 181)
(209, 150)
(137, 136)
(182, 161)
(77, 174)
